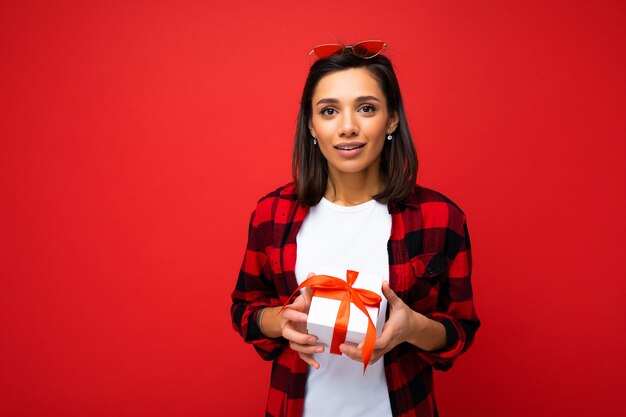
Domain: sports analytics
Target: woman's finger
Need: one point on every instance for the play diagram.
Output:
(356, 352)
(384, 339)
(376, 355)
(293, 335)
(391, 296)
(351, 351)
(306, 295)
(308, 349)
(292, 314)
(309, 360)
(302, 302)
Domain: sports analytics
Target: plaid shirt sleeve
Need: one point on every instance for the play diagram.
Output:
(455, 308)
(254, 289)
(430, 270)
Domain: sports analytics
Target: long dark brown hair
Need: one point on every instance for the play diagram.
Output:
(398, 161)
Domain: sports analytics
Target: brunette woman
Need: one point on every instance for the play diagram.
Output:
(354, 202)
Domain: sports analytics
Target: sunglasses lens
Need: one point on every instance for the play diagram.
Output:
(323, 51)
(368, 49)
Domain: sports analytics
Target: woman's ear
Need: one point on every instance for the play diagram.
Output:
(392, 124)
(311, 130)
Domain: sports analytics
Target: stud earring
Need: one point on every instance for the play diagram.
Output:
(389, 136)
(314, 141)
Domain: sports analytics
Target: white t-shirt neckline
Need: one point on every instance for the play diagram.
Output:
(326, 203)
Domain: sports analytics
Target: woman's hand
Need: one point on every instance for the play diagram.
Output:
(404, 325)
(294, 329)
(291, 324)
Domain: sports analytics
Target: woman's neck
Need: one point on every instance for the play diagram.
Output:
(351, 189)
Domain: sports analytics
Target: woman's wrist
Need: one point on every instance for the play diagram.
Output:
(268, 322)
(259, 321)
(427, 334)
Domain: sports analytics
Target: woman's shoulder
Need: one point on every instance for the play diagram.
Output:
(285, 191)
(429, 199)
(268, 203)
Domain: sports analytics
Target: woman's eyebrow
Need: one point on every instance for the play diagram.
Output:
(327, 101)
(366, 98)
(359, 99)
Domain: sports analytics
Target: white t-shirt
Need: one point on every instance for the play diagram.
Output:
(345, 238)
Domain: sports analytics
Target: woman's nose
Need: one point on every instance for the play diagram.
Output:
(349, 126)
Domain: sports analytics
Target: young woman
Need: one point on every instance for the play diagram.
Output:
(354, 204)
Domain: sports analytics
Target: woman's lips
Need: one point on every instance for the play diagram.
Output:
(349, 149)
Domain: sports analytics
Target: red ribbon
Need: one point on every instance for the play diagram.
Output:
(332, 287)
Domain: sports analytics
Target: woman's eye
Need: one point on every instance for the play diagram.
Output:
(328, 111)
(368, 108)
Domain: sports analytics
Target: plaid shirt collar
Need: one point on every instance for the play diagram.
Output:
(411, 200)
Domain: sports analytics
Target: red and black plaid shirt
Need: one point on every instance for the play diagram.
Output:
(429, 269)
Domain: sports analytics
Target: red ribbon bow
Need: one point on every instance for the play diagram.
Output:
(332, 287)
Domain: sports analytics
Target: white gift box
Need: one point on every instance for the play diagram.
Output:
(323, 311)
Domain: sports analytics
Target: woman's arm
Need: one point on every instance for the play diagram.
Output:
(270, 322)
(291, 325)
(456, 311)
(440, 336)
(410, 326)
(255, 290)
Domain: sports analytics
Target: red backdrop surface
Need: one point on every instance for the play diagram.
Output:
(136, 138)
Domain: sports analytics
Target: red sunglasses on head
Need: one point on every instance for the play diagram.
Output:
(364, 49)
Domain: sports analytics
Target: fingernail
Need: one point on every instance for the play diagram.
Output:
(312, 340)
(319, 349)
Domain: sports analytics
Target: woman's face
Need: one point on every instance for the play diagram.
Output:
(350, 121)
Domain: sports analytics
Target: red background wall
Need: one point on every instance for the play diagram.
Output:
(136, 138)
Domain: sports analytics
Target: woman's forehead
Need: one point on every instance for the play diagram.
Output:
(348, 84)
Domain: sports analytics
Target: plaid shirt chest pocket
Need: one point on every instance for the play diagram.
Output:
(427, 272)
